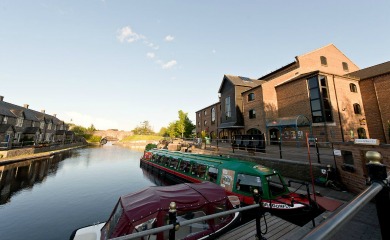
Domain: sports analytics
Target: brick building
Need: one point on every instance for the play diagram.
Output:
(374, 85)
(316, 94)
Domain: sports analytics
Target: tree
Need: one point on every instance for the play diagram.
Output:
(184, 125)
(143, 129)
(163, 132)
(171, 130)
(91, 129)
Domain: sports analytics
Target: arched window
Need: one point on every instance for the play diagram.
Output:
(352, 87)
(205, 122)
(357, 109)
(324, 62)
(213, 115)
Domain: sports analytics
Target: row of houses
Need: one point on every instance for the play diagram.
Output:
(321, 94)
(21, 126)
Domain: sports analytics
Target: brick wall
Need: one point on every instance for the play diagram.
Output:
(354, 175)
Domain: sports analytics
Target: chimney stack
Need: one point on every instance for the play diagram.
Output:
(25, 106)
(1, 98)
(42, 111)
(55, 115)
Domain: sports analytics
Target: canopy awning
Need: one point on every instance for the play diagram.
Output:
(230, 125)
(295, 121)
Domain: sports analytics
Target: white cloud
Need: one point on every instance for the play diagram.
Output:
(86, 120)
(126, 34)
(151, 55)
(169, 38)
(214, 51)
(169, 64)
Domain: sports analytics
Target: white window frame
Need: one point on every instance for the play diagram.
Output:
(19, 122)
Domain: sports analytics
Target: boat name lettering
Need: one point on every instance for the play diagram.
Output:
(274, 205)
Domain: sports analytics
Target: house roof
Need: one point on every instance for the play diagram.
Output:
(32, 130)
(240, 81)
(277, 70)
(372, 71)
(5, 127)
(12, 110)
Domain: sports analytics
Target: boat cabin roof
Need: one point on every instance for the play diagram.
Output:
(217, 161)
(153, 202)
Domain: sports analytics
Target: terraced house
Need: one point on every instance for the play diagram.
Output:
(21, 126)
(320, 94)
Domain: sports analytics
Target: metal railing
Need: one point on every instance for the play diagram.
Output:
(173, 225)
(379, 190)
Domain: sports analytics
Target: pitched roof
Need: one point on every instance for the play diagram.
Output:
(12, 110)
(32, 130)
(5, 127)
(240, 81)
(372, 71)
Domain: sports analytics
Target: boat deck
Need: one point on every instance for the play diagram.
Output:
(277, 228)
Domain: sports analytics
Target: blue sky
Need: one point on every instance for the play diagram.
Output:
(118, 63)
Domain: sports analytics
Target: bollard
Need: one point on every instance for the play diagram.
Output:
(318, 152)
(280, 148)
(377, 173)
(172, 220)
(257, 198)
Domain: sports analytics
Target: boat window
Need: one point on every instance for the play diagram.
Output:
(184, 166)
(158, 159)
(213, 174)
(174, 162)
(191, 229)
(247, 183)
(198, 170)
(275, 184)
(111, 225)
(149, 224)
(165, 161)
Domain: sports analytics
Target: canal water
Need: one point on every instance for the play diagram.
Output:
(50, 198)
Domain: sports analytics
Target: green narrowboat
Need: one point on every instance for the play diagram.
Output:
(237, 177)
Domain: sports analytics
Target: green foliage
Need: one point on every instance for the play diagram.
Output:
(92, 138)
(79, 130)
(180, 128)
(150, 146)
(141, 137)
(143, 129)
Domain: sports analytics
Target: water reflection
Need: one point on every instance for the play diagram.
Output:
(24, 175)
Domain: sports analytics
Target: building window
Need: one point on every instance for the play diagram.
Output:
(205, 112)
(228, 112)
(251, 97)
(252, 114)
(5, 120)
(324, 62)
(49, 126)
(198, 124)
(347, 158)
(205, 122)
(321, 109)
(345, 66)
(352, 87)
(19, 122)
(357, 109)
(199, 114)
(361, 133)
(42, 125)
(213, 115)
